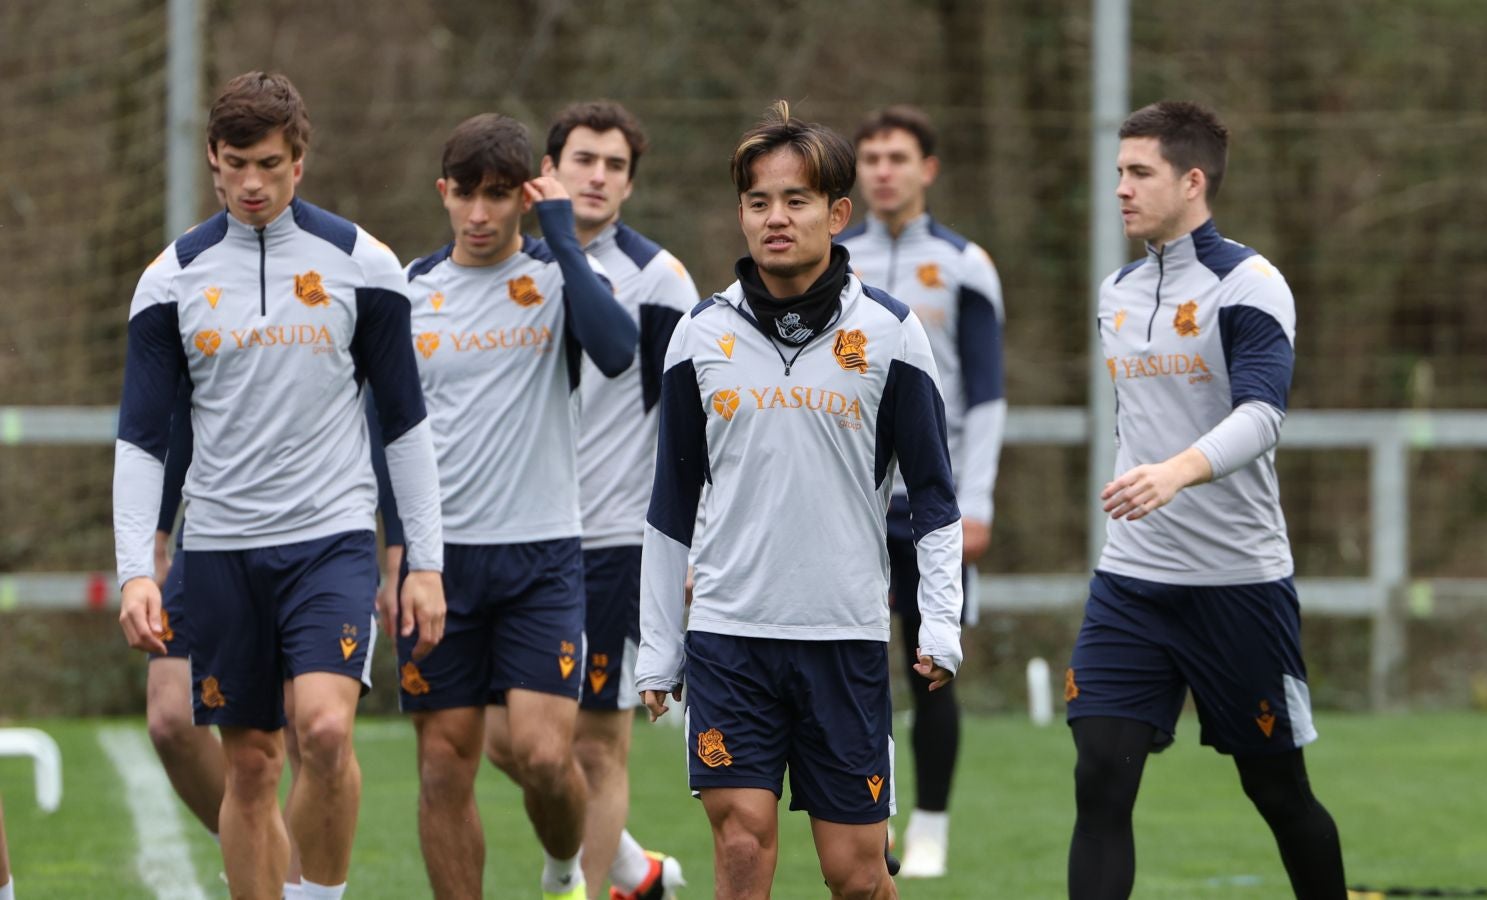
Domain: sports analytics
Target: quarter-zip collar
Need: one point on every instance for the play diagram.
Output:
(281, 227)
(1189, 250)
(604, 238)
(915, 228)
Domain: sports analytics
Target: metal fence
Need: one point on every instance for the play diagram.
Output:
(1387, 596)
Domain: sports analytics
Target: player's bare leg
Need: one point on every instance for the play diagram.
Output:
(531, 738)
(745, 823)
(852, 860)
(328, 794)
(449, 743)
(602, 746)
(255, 847)
(291, 752)
(191, 754)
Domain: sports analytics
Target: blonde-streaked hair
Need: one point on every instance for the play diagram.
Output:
(830, 162)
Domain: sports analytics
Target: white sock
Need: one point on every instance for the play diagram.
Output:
(560, 875)
(292, 891)
(309, 890)
(7, 891)
(933, 825)
(630, 866)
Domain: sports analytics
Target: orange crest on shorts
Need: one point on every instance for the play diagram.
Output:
(412, 680)
(211, 693)
(710, 749)
(167, 634)
(1071, 690)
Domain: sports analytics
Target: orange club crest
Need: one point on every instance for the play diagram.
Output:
(412, 680)
(309, 289)
(711, 750)
(211, 693)
(523, 291)
(929, 275)
(851, 350)
(1186, 320)
(1071, 690)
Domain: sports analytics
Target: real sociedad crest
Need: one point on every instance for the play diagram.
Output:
(791, 330)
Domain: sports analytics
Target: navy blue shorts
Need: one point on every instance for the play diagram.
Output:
(822, 709)
(612, 627)
(1238, 647)
(515, 621)
(177, 636)
(268, 614)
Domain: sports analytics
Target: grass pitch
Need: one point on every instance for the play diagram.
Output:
(1409, 793)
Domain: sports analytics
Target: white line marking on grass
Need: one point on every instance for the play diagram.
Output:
(164, 858)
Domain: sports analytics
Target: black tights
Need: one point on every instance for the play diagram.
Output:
(1111, 756)
(936, 729)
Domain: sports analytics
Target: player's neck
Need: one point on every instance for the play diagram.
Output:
(897, 220)
(587, 233)
(1190, 222)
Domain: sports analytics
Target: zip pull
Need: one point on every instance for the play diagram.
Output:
(787, 370)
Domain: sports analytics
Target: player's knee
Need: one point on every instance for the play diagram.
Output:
(856, 880)
(1103, 782)
(738, 845)
(446, 772)
(253, 765)
(547, 766)
(171, 729)
(599, 752)
(325, 739)
(1277, 786)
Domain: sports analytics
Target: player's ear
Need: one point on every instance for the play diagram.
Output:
(548, 166)
(442, 184)
(839, 215)
(931, 170)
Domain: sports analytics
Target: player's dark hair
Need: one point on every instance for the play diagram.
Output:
(1189, 134)
(488, 145)
(252, 106)
(900, 116)
(600, 116)
(830, 162)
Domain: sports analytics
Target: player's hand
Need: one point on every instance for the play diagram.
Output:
(938, 677)
(544, 187)
(423, 606)
(975, 539)
(1146, 489)
(139, 615)
(387, 594)
(162, 557)
(655, 701)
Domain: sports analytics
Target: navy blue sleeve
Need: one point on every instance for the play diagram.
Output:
(979, 341)
(382, 347)
(154, 365)
(656, 325)
(387, 504)
(602, 327)
(177, 457)
(1259, 355)
(681, 455)
(911, 425)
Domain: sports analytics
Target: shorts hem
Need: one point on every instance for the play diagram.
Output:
(838, 817)
(745, 781)
(313, 669)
